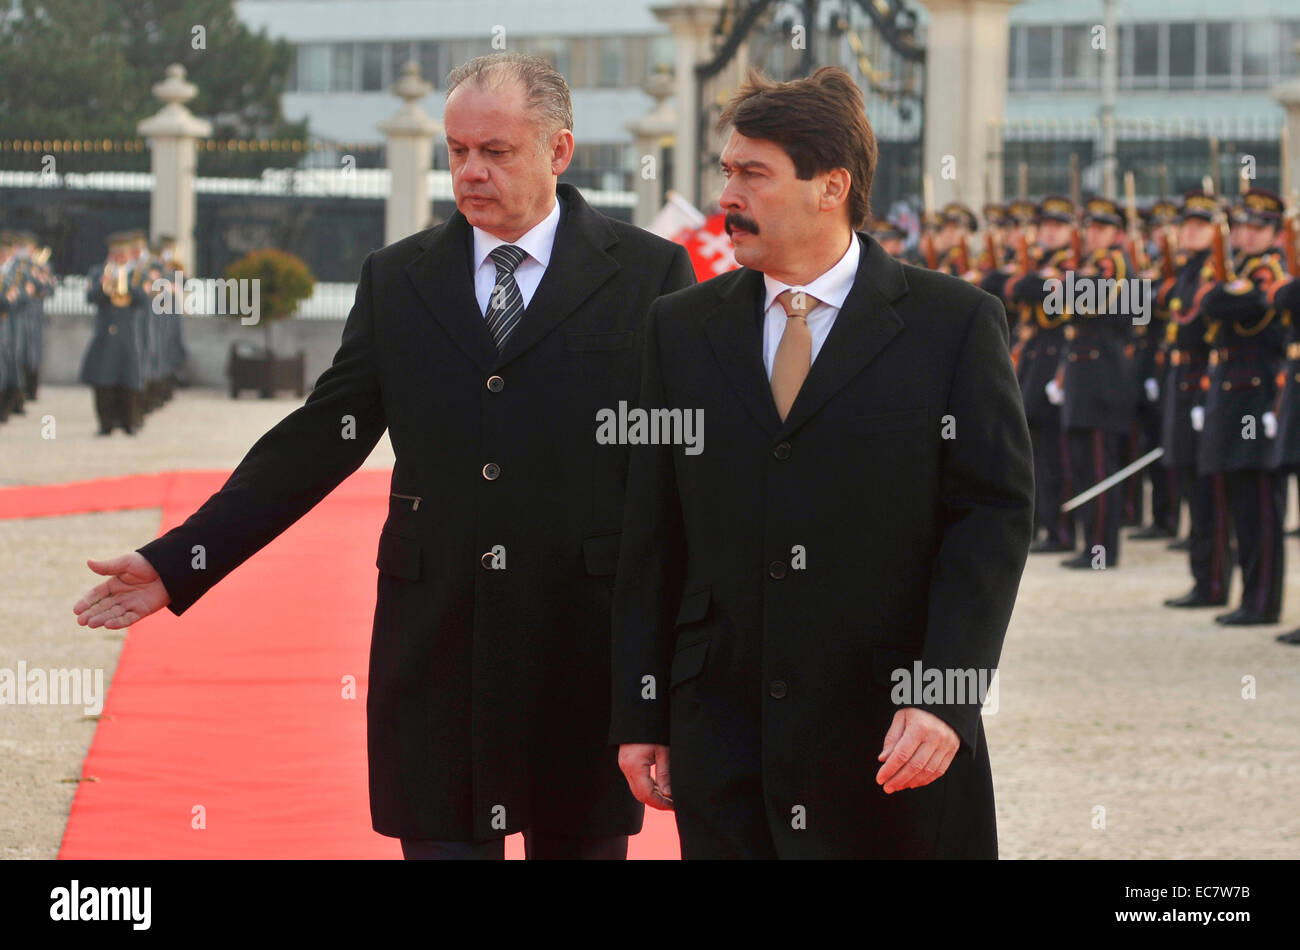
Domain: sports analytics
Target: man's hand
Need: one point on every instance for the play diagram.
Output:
(635, 761)
(132, 592)
(918, 749)
(1055, 394)
(1198, 418)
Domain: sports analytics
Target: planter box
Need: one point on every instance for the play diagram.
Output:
(251, 367)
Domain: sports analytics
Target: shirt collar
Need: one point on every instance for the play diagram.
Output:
(537, 241)
(831, 287)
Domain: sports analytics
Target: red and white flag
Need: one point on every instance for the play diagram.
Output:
(704, 237)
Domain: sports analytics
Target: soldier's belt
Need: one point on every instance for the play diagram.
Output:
(1224, 353)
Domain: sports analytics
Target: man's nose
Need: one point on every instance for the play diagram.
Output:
(730, 199)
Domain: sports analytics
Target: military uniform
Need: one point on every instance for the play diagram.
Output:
(13, 327)
(1149, 364)
(1286, 447)
(1098, 410)
(1238, 439)
(1187, 358)
(38, 284)
(1040, 341)
(112, 361)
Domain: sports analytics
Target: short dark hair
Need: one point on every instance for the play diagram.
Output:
(821, 122)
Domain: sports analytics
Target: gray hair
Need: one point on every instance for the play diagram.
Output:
(544, 87)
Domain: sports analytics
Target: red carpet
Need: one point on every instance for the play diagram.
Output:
(227, 732)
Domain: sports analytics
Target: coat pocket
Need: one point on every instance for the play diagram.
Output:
(694, 606)
(585, 342)
(600, 554)
(398, 556)
(688, 662)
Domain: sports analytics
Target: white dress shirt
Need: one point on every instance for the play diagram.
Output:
(831, 288)
(537, 242)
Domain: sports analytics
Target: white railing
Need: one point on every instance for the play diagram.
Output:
(329, 301)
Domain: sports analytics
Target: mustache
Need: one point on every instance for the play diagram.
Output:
(736, 221)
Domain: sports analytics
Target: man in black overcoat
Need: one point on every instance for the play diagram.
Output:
(855, 523)
(487, 346)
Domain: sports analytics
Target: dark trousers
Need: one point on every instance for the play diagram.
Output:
(1210, 557)
(1094, 455)
(118, 406)
(1052, 481)
(1165, 503)
(1257, 500)
(538, 846)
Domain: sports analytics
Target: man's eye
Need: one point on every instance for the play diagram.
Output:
(496, 151)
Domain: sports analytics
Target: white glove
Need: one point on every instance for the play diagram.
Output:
(1055, 395)
(1270, 426)
(1153, 390)
(1198, 418)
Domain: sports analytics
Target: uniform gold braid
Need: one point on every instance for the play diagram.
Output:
(1044, 321)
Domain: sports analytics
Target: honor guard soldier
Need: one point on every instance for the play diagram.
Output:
(146, 320)
(1239, 425)
(956, 225)
(38, 284)
(1096, 407)
(173, 349)
(111, 363)
(1149, 369)
(1187, 357)
(13, 327)
(890, 237)
(1286, 447)
(1038, 347)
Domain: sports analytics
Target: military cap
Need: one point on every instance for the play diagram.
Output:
(954, 212)
(1023, 210)
(1197, 204)
(1260, 206)
(1162, 212)
(27, 237)
(883, 229)
(1104, 211)
(8, 238)
(995, 214)
(1056, 208)
(118, 239)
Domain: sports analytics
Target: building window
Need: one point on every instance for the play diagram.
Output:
(1080, 63)
(1219, 58)
(313, 67)
(432, 67)
(1038, 43)
(372, 66)
(612, 55)
(1182, 55)
(343, 68)
(1256, 48)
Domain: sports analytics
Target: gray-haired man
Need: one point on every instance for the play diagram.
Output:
(486, 346)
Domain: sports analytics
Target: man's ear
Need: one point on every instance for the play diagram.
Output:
(835, 189)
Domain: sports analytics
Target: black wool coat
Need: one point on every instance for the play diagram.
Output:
(770, 585)
(488, 700)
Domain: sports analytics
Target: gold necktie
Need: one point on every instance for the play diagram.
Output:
(794, 352)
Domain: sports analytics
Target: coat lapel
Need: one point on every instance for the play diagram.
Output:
(443, 280)
(864, 325)
(735, 331)
(578, 267)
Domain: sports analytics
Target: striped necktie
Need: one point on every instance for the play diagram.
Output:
(506, 305)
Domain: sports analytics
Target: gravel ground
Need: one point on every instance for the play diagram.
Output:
(1121, 730)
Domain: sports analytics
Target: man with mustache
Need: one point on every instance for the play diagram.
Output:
(486, 346)
(858, 520)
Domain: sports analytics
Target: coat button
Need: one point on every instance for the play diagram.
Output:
(1227, 385)
(487, 560)
(112, 328)
(776, 689)
(782, 451)
(776, 570)
(495, 384)
(491, 471)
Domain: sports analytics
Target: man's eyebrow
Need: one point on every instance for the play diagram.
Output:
(752, 163)
(490, 143)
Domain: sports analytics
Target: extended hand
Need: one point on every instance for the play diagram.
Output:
(635, 761)
(132, 592)
(918, 749)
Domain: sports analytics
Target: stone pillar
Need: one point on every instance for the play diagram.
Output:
(965, 88)
(1289, 95)
(652, 132)
(171, 134)
(691, 22)
(410, 135)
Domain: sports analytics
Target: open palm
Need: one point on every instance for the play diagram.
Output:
(132, 592)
